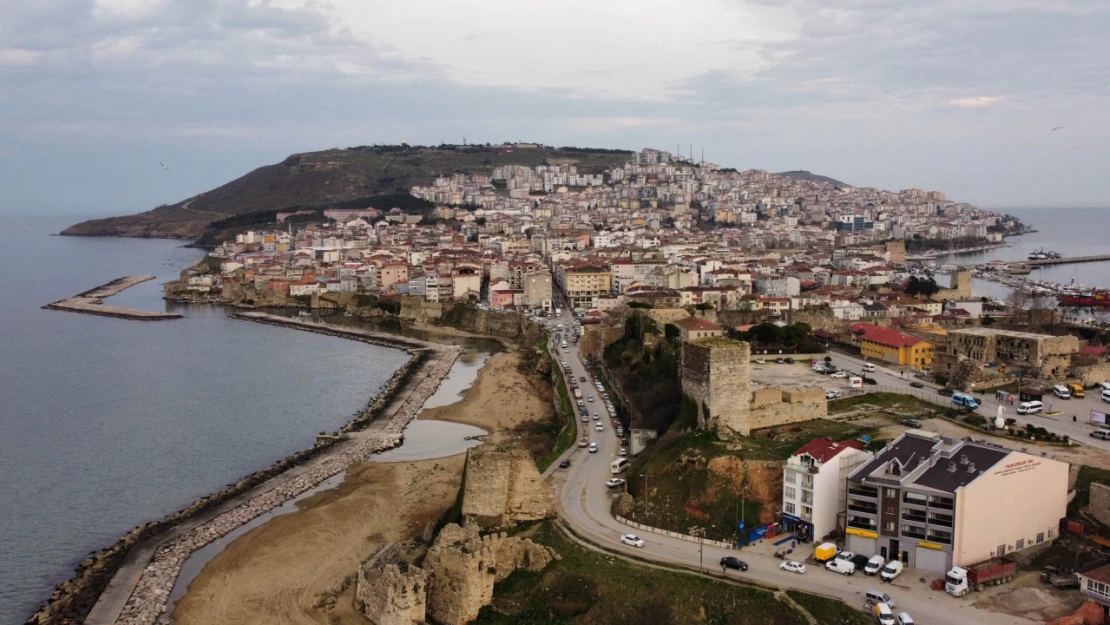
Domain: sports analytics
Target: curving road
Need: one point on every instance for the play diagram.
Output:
(583, 501)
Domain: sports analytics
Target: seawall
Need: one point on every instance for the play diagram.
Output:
(130, 582)
(91, 302)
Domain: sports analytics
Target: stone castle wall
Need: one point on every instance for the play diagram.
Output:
(503, 487)
(390, 590)
(797, 405)
(1099, 505)
(715, 373)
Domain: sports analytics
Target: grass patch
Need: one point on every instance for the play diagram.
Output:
(829, 611)
(590, 588)
(897, 402)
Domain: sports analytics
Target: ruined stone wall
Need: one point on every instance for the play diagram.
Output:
(503, 487)
(766, 396)
(391, 590)
(1092, 374)
(798, 404)
(1099, 505)
(464, 567)
(715, 373)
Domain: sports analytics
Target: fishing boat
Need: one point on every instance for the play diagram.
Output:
(1038, 255)
(1086, 297)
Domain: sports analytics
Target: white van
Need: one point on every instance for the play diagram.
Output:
(1101, 434)
(838, 565)
(1030, 407)
(1106, 396)
(874, 565)
(618, 466)
(890, 571)
(1061, 391)
(868, 367)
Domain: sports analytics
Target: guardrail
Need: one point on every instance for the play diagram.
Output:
(663, 532)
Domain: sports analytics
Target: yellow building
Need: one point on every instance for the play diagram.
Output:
(889, 345)
(585, 283)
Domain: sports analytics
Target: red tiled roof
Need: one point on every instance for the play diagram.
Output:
(823, 450)
(885, 336)
(697, 323)
(1091, 350)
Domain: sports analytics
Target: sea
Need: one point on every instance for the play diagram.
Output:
(109, 423)
(1069, 231)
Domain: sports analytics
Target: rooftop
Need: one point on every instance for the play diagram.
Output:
(823, 450)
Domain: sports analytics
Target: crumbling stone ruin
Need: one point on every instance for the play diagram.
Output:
(715, 374)
(503, 487)
(455, 581)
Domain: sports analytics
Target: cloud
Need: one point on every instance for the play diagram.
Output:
(978, 102)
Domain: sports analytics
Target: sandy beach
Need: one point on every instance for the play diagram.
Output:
(285, 570)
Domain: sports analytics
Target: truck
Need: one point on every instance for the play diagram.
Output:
(961, 580)
(825, 552)
(964, 401)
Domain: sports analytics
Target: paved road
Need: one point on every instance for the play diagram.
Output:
(583, 501)
(1079, 430)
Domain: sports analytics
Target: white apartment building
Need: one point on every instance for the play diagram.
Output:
(813, 484)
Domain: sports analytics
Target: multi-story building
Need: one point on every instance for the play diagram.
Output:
(937, 502)
(537, 289)
(813, 485)
(1049, 354)
(583, 284)
(889, 345)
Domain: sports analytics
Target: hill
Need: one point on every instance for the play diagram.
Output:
(802, 174)
(365, 175)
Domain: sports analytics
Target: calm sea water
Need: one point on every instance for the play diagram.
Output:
(1069, 231)
(109, 423)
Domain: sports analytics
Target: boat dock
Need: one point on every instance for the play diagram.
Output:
(91, 302)
(1042, 262)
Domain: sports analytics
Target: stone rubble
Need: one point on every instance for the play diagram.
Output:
(148, 600)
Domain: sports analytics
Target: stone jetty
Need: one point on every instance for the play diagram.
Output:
(91, 302)
(147, 602)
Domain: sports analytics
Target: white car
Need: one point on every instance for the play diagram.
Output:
(793, 567)
(832, 394)
(905, 619)
(599, 428)
(838, 374)
(592, 448)
(632, 539)
(614, 482)
(845, 555)
(760, 361)
(596, 416)
(623, 453)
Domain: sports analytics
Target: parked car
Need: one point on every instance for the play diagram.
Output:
(911, 423)
(905, 619)
(729, 562)
(793, 567)
(891, 570)
(831, 394)
(760, 361)
(600, 428)
(838, 374)
(947, 392)
(917, 384)
(884, 614)
(845, 555)
(875, 596)
(564, 464)
(780, 361)
(584, 442)
(623, 452)
(789, 361)
(632, 539)
(581, 378)
(614, 482)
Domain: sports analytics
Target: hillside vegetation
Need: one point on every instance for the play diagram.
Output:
(332, 178)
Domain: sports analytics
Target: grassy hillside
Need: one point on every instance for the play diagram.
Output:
(801, 174)
(333, 177)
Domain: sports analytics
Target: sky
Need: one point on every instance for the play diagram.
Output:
(956, 96)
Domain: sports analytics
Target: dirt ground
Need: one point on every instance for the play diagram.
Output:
(1083, 454)
(1029, 597)
(279, 572)
(500, 400)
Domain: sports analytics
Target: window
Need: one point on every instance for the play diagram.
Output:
(788, 508)
(890, 493)
(1050, 533)
(807, 497)
(890, 509)
(914, 498)
(790, 477)
(888, 526)
(807, 511)
(1001, 551)
(1019, 545)
(1040, 538)
(791, 493)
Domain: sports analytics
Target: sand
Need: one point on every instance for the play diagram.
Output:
(278, 572)
(500, 400)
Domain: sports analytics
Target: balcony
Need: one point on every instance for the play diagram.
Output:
(945, 521)
(1101, 597)
(863, 524)
(908, 515)
(941, 504)
(863, 491)
(913, 533)
(945, 538)
(863, 509)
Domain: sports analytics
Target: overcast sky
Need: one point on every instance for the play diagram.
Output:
(958, 96)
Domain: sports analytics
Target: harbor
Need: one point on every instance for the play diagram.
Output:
(91, 302)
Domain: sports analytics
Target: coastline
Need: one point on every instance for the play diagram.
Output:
(129, 581)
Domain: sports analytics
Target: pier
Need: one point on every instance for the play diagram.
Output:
(91, 302)
(1067, 261)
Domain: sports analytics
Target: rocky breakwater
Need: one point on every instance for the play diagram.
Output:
(91, 302)
(377, 428)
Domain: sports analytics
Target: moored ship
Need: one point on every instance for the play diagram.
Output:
(1090, 297)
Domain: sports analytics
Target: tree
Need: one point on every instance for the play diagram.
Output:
(988, 320)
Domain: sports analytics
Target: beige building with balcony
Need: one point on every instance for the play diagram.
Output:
(935, 502)
(813, 485)
(584, 284)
